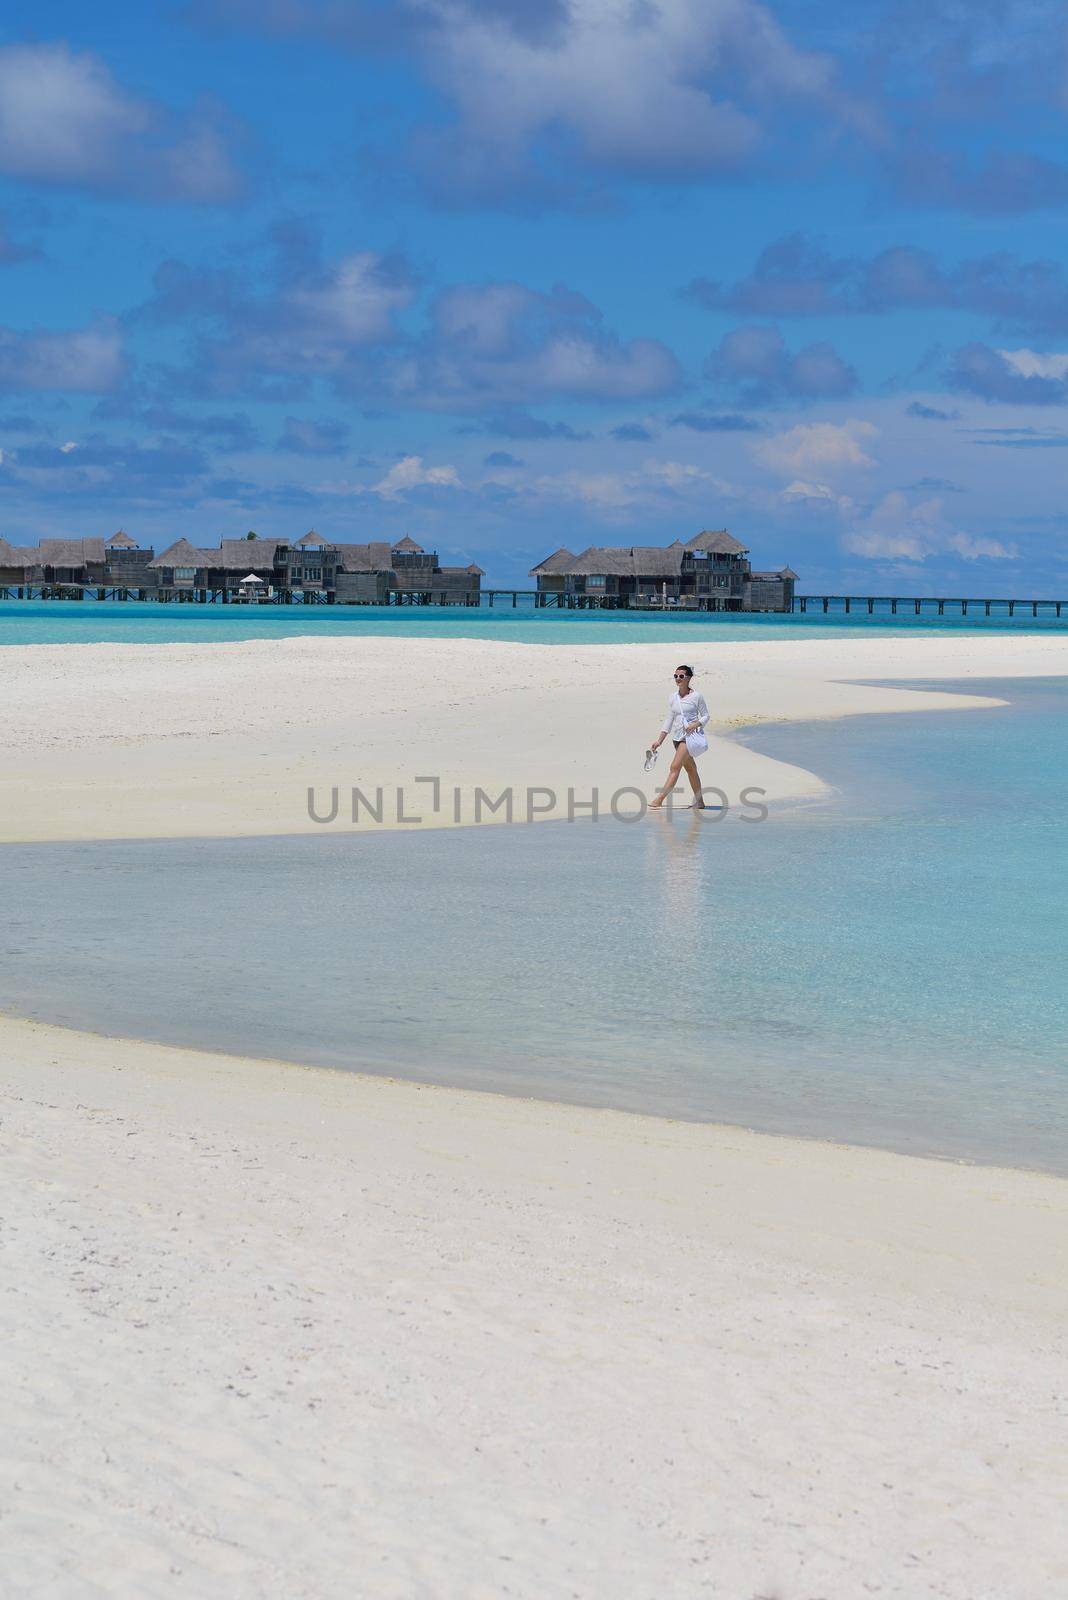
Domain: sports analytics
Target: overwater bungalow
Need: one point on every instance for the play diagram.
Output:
(374, 573)
(81, 562)
(179, 565)
(710, 572)
(72, 560)
(126, 561)
(228, 565)
(18, 565)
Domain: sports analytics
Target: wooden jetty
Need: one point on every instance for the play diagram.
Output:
(922, 605)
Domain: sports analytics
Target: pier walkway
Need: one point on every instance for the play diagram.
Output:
(922, 605)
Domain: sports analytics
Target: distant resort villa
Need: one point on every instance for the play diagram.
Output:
(710, 572)
(252, 568)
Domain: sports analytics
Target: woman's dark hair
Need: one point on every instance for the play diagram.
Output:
(682, 667)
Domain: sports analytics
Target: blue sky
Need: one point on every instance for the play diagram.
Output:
(510, 274)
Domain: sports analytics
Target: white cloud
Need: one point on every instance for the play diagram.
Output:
(655, 483)
(65, 120)
(647, 89)
(820, 445)
(489, 347)
(70, 445)
(482, 317)
(800, 491)
(308, 321)
(886, 546)
(1036, 364)
(676, 474)
(501, 344)
(573, 364)
(981, 549)
(756, 363)
(607, 490)
(412, 473)
(353, 302)
(87, 360)
(900, 529)
(540, 92)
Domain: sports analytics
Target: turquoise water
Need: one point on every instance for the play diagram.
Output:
(885, 968)
(148, 622)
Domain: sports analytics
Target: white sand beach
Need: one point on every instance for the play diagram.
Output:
(143, 741)
(273, 1331)
(276, 1331)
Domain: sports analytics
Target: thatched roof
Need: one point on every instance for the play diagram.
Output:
(653, 561)
(182, 554)
(600, 559)
(635, 561)
(717, 541)
(315, 541)
(70, 552)
(627, 561)
(558, 562)
(121, 540)
(409, 545)
(373, 557)
(234, 555)
(13, 556)
(475, 569)
(788, 572)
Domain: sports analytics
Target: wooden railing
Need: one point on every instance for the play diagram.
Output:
(921, 605)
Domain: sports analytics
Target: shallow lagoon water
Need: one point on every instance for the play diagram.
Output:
(886, 967)
(28, 622)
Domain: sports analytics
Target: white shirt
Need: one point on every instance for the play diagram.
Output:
(682, 711)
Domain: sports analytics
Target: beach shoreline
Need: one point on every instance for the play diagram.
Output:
(276, 1328)
(265, 1322)
(270, 1326)
(251, 739)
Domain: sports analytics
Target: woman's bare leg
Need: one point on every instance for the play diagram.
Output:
(692, 773)
(674, 773)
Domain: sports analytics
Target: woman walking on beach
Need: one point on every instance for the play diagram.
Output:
(687, 714)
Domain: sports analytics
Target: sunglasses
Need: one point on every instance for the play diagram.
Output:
(681, 674)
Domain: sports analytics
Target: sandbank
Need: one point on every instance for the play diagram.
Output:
(191, 740)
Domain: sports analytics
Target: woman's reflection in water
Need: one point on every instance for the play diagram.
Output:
(681, 864)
